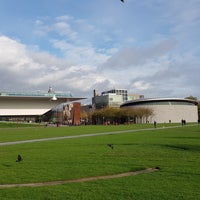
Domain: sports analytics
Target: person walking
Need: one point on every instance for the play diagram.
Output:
(155, 123)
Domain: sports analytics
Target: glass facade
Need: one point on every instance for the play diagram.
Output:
(107, 100)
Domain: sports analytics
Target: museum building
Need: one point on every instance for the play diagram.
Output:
(166, 110)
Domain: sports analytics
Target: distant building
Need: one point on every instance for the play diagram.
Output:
(123, 92)
(135, 96)
(167, 110)
(113, 98)
(107, 100)
(26, 105)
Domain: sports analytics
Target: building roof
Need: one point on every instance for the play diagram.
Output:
(33, 94)
(39, 95)
(154, 100)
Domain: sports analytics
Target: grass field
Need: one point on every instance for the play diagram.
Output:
(176, 151)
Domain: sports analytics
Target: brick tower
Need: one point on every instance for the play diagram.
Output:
(76, 113)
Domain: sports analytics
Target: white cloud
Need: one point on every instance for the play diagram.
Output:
(22, 69)
(132, 57)
(157, 71)
(59, 26)
(63, 29)
(141, 85)
(64, 18)
(84, 54)
(14, 56)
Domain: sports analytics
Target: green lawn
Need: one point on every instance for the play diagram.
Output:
(16, 132)
(176, 151)
(17, 125)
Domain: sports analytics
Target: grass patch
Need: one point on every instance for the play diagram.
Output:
(9, 133)
(17, 125)
(176, 151)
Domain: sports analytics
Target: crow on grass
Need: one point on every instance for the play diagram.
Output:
(19, 158)
(111, 146)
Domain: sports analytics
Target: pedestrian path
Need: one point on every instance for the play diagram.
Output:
(94, 178)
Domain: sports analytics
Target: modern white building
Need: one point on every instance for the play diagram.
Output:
(32, 104)
(123, 92)
(110, 98)
(107, 100)
(167, 110)
(135, 96)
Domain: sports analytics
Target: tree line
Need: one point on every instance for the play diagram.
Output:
(117, 115)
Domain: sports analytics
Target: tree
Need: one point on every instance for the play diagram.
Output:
(121, 115)
(147, 113)
(105, 115)
(84, 116)
(191, 97)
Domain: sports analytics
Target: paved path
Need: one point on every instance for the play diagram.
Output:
(87, 135)
(51, 183)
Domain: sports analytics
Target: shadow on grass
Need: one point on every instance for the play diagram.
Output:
(193, 138)
(6, 165)
(183, 147)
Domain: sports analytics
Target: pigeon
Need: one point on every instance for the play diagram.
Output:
(111, 146)
(158, 168)
(19, 158)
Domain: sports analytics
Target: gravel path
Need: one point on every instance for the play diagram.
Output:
(148, 170)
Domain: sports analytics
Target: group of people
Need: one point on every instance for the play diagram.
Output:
(183, 122)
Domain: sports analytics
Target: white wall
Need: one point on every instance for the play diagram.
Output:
(20, 106)
(175, 113)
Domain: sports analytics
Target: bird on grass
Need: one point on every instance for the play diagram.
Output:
(158, 168)
(19, 158)
(111, 146)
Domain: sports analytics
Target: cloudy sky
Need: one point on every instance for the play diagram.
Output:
(150, 47)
